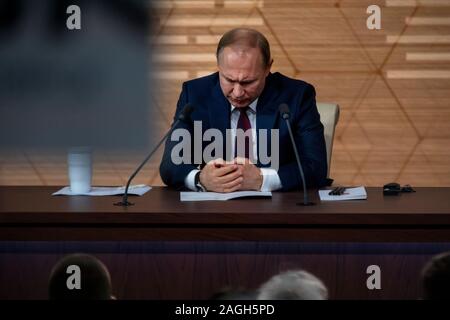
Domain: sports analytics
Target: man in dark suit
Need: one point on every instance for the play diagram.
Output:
(245, 95)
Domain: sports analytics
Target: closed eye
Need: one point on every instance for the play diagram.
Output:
(247, 82)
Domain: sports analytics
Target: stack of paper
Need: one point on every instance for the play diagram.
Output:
(138, 190)
(358, 193)
(210, 196)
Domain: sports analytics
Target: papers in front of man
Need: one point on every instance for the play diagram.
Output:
(137, 190)
(211, 196)
(358, 193)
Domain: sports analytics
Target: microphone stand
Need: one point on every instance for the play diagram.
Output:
(184, 114)
(286, 115)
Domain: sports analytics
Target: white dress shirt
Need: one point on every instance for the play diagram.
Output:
(271, 180)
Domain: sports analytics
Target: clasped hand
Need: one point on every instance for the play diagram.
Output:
(239, 174)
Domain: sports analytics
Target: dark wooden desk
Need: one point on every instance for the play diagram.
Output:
(31, 213)
(161, 248)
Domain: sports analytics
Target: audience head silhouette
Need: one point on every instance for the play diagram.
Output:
(436, 278)
(293, 285)
(80, 277)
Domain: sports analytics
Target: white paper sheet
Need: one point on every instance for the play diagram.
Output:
(211, 196)
(358, 193)
(138, 190)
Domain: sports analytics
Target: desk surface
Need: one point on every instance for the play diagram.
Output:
(31, 213)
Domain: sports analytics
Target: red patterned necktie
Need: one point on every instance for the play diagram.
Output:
(244, 124)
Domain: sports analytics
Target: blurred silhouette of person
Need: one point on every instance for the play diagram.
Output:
(293, 285)
(435, 278)
(94, 279)
(64, 88)
(133, 13)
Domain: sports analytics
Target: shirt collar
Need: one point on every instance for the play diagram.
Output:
(252, 106)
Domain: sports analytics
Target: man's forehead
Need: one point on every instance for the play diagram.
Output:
(240, 73)
(240, 54)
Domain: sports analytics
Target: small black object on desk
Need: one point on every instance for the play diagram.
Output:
(337, 191)
(393, 189)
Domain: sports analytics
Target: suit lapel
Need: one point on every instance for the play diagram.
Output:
(219, 113)
(267, 110)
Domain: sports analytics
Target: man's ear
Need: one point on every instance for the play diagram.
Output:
(268, 67)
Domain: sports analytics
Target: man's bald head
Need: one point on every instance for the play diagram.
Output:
(242, 39)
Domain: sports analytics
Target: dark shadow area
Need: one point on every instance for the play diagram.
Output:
(61, 87)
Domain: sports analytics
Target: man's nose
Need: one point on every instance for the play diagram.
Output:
(238, 91)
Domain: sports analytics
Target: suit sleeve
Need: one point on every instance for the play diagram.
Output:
(173, 174)
(309, 137)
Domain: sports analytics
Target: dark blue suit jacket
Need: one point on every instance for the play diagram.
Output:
(213, 109)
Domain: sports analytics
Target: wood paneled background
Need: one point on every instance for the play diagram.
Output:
(393, 84)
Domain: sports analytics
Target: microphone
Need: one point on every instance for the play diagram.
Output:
(286, 114)
(183, 116)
